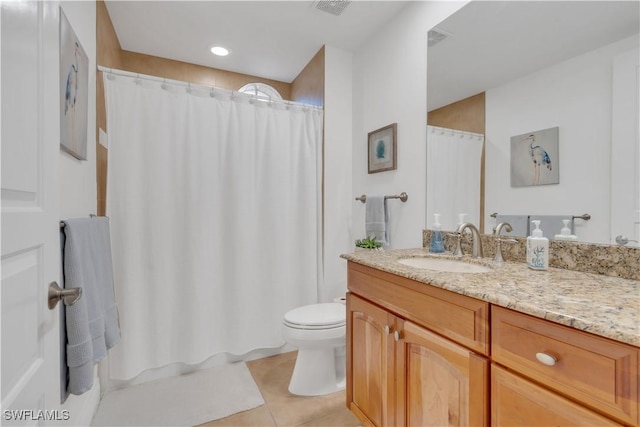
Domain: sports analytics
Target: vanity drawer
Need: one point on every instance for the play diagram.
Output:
(460, 318)
(598, 372)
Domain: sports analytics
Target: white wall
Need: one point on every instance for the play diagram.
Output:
(390, 86)
(77, 192)
(337, 170)
(574, 95)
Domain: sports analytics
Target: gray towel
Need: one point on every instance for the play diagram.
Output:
(377, 219)
(519, 223)
(92, 322)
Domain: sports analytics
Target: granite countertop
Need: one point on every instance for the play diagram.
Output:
(602, 305)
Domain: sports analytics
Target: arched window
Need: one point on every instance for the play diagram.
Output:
(261, 91)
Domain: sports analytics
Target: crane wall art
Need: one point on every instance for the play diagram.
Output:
(535, 158)
(74, 89)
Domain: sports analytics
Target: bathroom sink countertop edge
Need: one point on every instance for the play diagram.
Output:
(602, 305)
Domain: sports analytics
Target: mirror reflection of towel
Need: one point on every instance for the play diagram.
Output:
(377, 219)
(519, 223)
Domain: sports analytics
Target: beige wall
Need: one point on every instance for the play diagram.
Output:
(308, 86)
(467, 115)
(110, 54)
(183, 71)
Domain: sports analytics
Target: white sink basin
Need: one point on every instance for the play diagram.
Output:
(448, 265)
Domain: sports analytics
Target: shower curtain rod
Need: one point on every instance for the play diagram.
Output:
(462, 133)
(211, 88)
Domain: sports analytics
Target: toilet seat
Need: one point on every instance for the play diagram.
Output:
(316, 316)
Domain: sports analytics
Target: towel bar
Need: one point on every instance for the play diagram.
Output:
(402, 196)
(585, 217)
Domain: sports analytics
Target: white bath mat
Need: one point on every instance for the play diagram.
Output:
(185, 400)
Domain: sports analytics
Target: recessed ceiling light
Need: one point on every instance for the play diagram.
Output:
(220, 51)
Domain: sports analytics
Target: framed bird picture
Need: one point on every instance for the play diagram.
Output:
(74, 92)
(534, 158)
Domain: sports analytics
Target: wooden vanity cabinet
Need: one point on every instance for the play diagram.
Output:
(439, 383)
(399, 371)
(516, 401)
(418, 355)
(370, 362)
(599, 373)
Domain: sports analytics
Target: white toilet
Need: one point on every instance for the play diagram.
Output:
(318, 331)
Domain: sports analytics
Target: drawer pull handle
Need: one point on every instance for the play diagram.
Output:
(396, 335)
(387, 329)
(546, 359)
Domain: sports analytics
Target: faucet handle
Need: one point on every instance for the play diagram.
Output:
(458, 236)
(499, 241)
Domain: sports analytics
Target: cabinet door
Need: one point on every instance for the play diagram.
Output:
(370, 382)
(443, 384)
(518, 402)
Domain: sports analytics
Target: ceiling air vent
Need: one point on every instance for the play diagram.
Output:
(334, 7)
(435, 36)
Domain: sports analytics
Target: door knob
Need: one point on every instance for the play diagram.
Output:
(56, 293)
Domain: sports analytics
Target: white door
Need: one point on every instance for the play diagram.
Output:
(625, 150)
(30, 241)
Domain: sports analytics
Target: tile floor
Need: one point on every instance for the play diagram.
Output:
(282, 408)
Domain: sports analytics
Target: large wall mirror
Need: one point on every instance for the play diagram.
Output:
(552, 86)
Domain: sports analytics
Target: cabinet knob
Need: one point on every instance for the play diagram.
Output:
(387, 329)
(546, 359)
(396, 335)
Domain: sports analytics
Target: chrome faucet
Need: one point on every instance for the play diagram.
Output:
(499, 240)
(476, 249)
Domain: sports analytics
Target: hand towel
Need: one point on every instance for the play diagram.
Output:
(519, 224)
(92, 322)
(377, 219)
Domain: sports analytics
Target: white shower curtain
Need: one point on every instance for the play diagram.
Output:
(453, 176)
(215, 213)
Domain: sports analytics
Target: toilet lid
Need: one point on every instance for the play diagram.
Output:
(330, 314)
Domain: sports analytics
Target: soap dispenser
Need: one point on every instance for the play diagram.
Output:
(460, 219)
(537, 248)
(436, 245)
(565, 233)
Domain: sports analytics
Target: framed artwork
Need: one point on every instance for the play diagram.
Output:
(382, 149)
(74, 92)
(534, 158)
